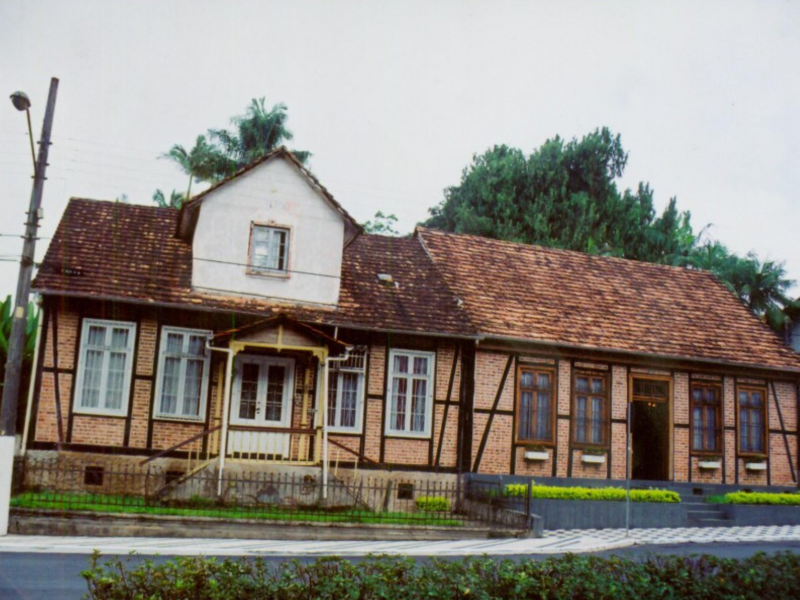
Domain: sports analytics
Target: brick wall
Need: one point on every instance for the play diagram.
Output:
(406, 451)
(373, 419)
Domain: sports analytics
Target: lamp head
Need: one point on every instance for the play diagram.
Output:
(20, 101)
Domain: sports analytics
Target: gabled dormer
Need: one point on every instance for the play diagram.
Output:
(270, 230)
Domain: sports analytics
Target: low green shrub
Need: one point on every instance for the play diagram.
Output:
(433, 504)
(585, 493)
(373, 578)
(766, 498)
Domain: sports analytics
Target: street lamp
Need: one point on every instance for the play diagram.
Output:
(16, 341)
(21, 102)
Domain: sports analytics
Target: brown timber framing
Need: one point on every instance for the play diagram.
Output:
(39, 369)
(466, 404)
(513, 469)
(56, 383)
(76, 353)
(126, 437)
(487, 429)
(456, 357)
(151, 417)
(783, 430)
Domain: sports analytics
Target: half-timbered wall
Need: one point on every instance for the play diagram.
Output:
(139, 432)
(495, 448)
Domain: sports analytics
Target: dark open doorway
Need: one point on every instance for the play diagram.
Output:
(650, 430)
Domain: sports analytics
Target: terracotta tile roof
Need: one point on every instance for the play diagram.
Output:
(130, 252)
(570, 298)
(419, 300)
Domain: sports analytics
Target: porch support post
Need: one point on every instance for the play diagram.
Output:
(226, 403)
(325, 373)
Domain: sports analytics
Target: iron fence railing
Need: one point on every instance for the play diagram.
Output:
(298, 495)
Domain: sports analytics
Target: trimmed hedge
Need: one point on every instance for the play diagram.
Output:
(433, 504)
(580, 493)
(373, 578)
(768, 498)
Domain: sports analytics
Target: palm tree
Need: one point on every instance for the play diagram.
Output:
(258, 132)
(204, 162)
(714, 257)
(761, 285)
(175, 199)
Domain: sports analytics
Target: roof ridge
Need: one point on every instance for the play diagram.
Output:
(195, 201)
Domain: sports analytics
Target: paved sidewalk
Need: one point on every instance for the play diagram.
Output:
(554, 542)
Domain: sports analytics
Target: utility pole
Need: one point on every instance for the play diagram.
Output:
(16, 343)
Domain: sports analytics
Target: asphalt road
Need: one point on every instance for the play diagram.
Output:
(25, 576)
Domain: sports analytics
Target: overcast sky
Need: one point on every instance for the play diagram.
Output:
(394, 98)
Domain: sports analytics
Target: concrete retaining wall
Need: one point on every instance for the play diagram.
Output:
(582, 514)
(748, 514)
(33, 522)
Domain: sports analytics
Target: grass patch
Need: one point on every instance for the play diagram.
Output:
(608, 494)
(118, 504)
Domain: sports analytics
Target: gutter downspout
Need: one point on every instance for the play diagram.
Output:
(324, 399)
(32, 385)
(226, 402)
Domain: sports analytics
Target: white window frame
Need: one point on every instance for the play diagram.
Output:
(162, 356)
(101, 410)
(430, 377)
(336, 371)
(262, 270)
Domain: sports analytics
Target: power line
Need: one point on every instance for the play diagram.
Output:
(238, 264)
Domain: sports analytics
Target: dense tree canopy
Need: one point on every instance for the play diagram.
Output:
(565, 195)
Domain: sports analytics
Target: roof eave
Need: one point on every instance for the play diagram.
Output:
(637, 354)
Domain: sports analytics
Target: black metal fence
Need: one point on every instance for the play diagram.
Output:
(299, 496)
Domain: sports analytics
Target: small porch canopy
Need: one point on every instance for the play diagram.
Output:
(279, 333)
(298, 438)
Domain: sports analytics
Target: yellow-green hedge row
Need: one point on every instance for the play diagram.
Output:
(585, 493)
(768, 498)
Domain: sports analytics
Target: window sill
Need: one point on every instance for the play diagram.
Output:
(177, 419)
(341, 431)
(405, 435)
(88, 412)
(267, 273)
(548, 445)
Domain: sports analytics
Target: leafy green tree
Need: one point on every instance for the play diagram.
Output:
(175, 199)
(30, 344)
(382, 225)
(564, 195)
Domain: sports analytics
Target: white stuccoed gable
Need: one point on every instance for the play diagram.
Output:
(272, 193)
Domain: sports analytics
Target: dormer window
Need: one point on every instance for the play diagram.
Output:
(269, 250)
